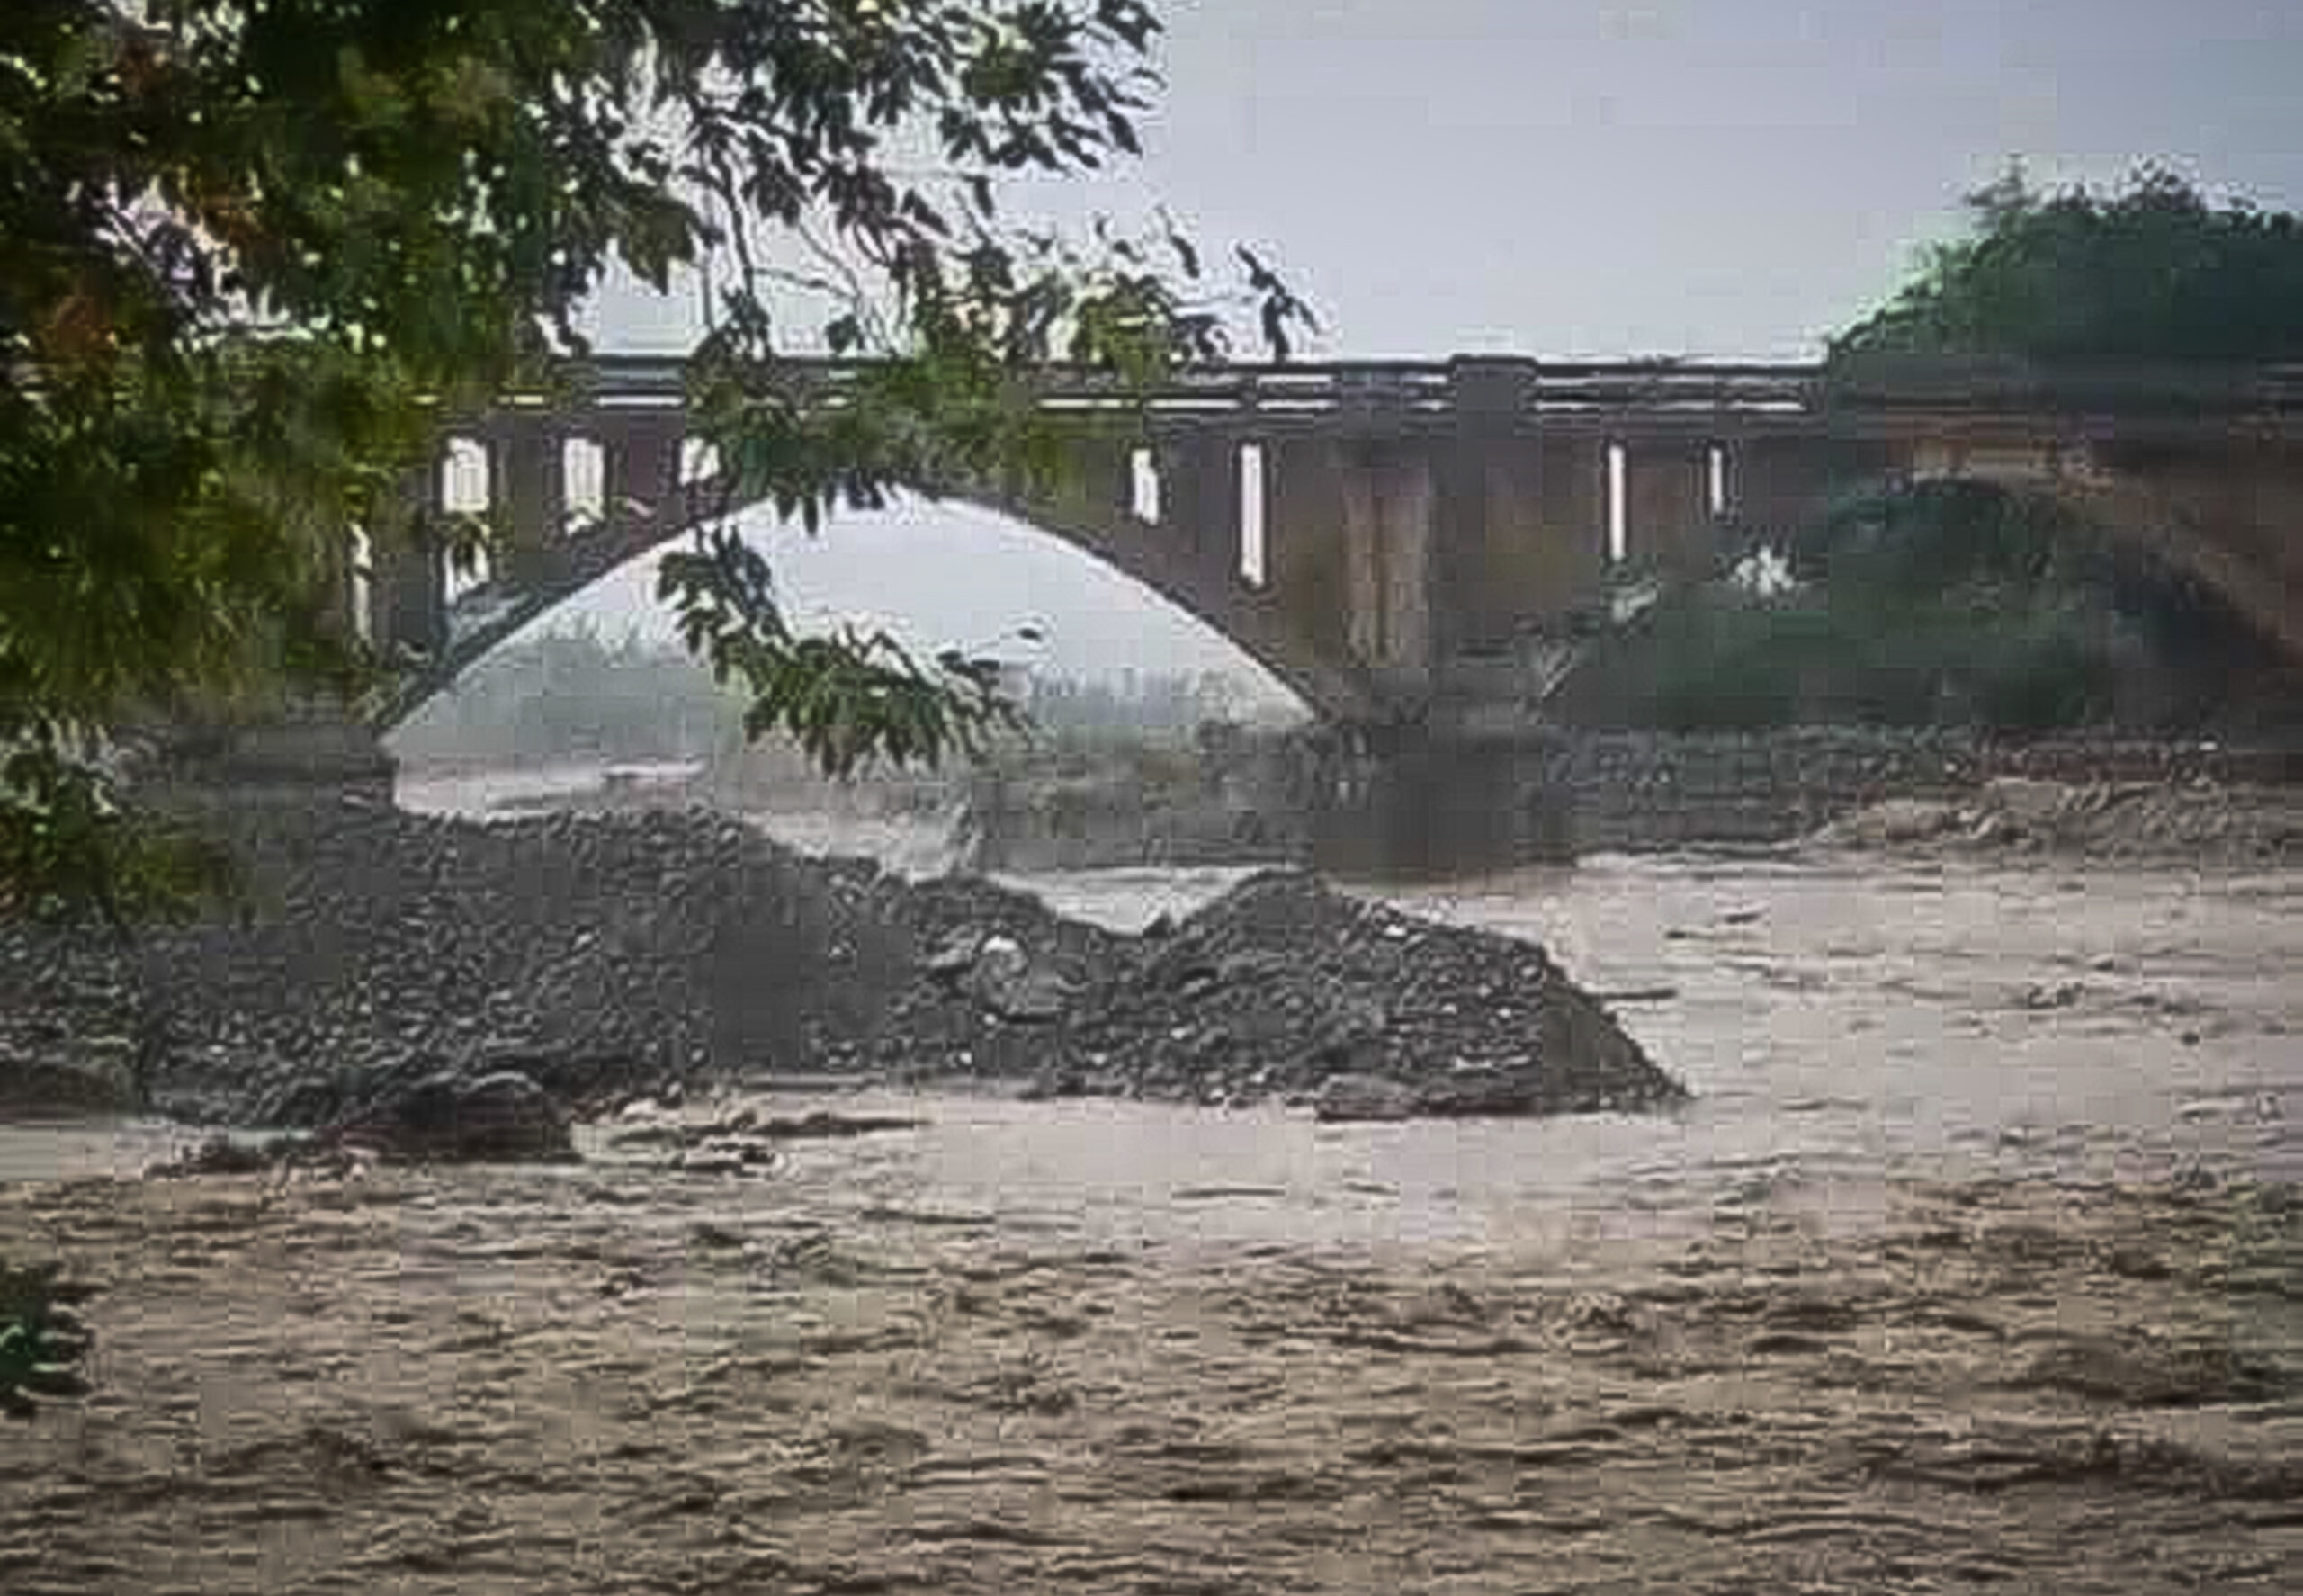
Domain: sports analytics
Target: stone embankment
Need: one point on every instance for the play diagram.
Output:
(1621, 792)
(378, 964)
(2117, 822)
(1637, 790)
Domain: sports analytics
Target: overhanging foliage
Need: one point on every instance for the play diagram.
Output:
(247, 249)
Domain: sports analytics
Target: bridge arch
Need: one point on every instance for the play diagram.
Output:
(1240, 611)
(2231, 526)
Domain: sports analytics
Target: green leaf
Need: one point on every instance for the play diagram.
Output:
(357, 219)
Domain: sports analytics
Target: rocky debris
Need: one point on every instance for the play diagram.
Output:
(597, 956)
(2200, 823)
(69, 1040)
(96, 1079)
(738, 1140)
(822, 1125)
(726, 1155)
(1363, 1096)
(221, 1155)
(1895, 822)
(440, 988)
(1281, 989)
(446, 1116)
(997, 977)
(1001, 977)
(1284, 987)
(450, 1117)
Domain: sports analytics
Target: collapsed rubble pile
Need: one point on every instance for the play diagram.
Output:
(383, 957)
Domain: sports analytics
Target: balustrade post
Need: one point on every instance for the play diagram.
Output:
(641, 457)
(531, 504)
(408, 583)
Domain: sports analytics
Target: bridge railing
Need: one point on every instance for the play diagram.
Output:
(1936, 383)
(1664, 390)
(1878, 386)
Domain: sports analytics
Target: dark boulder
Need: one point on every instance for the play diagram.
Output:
(448, 1117)
(89, 1081)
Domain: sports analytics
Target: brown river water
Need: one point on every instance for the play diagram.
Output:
(1976, 1262)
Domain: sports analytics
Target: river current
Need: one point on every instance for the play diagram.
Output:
(1975, 1262)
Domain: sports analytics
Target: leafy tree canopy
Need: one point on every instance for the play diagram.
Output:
(2153, 272)
(249, 249)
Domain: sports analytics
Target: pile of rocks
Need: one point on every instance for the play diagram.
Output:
(600, 955)
(996, 977)
(1281, 989)
(1285, 988)
(432, 986)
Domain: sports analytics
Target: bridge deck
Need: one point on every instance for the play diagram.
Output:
(1881, 398)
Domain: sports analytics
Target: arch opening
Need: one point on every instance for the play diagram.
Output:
(583, 472)
(360, 581)
(1615, 492)
(1143, 486)
(467, 487)
(1047, 601)
(1254, 569)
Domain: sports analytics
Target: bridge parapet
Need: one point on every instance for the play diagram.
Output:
(1887, 389)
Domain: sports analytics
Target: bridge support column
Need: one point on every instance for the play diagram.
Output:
(1199, 491)
(1567, 570)
(1302, 526)
(1410, 804)
(532, 509)
(408, 582)
(1667, 524)
(1486, 508)
(1388, 506)
(641, 460)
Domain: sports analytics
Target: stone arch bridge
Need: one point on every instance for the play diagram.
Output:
(1404, 544)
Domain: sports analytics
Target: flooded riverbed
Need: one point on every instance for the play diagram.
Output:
(1972, 1262)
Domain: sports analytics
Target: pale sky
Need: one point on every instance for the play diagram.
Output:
(1732, 178)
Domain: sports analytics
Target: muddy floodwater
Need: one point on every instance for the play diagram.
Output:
(1975, 1263)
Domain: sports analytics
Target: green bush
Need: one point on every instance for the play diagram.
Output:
(1955, 604)
(1728, 667)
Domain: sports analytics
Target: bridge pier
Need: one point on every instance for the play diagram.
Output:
(640, 463)
(1413, 804)
(407, 576)
(531, 504)
(1388, 504)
